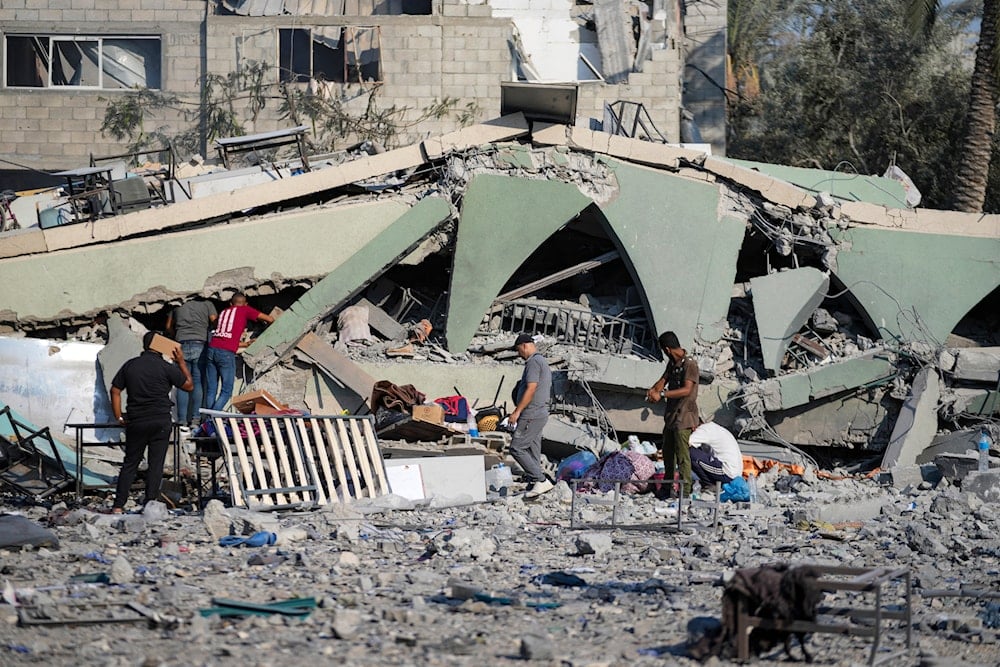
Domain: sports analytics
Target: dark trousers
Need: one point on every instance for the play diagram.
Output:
(707, 468)
(677, 453)
(153, 434)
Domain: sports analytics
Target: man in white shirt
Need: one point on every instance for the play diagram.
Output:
(715, 455)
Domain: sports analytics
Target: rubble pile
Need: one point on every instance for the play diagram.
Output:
(388, 580)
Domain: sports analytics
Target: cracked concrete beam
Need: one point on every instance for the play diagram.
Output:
(359, 265)
(795, 389)
(121, 275)
(782, 302)
(23, 242)
(845, 187)
(224, 204)
(672, 237)
(979, 364)
(912, 285)
(504, 128)
(773, 189)
(917, 423)
(503, 220)
(635, 150)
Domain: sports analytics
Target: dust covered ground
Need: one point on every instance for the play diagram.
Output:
(396, 584)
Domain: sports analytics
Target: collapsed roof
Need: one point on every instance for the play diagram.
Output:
(810, 302)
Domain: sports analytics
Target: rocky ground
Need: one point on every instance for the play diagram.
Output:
(397, 585)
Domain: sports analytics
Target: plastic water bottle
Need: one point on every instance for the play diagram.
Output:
(984, 451)
(470, 422)
(754, 495)
(695, 489)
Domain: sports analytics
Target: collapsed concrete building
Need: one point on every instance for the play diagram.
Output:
(820, 311)
(409, 69)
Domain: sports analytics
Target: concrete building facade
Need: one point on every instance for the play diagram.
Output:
(64, 63)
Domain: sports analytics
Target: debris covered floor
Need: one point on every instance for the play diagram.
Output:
(398, 586)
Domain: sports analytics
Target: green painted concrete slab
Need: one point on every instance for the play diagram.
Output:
(894, 274)
(801, 388)
(678, 247)
(848, 186)
(363, 264)
(782, 303)
(503, 221)
(85, 280)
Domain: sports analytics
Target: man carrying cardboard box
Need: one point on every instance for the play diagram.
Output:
(147, 379)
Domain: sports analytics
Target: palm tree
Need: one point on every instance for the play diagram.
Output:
(969, 192)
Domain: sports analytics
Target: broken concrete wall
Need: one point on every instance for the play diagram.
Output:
(681, 245)
(782, 302)
(503, 220)
(916, 286)
(360, 264)
(145, 273)
(52, 382)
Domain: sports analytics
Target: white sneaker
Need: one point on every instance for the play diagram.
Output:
(538, 488)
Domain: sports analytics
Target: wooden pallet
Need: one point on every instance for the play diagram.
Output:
(280, 461)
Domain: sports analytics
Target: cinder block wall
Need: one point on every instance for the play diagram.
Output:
(460, 52)
(49, 128)
(705, 45)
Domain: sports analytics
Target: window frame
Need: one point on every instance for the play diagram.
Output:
(54, 38)
(348, 33)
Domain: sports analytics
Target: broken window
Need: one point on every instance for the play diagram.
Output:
(343, 55)
(324, 7)
(50, 61)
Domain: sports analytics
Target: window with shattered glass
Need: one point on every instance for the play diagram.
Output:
(324, 7)
(342, 55)
(56, 61)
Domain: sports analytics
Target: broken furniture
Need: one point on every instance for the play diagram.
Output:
(281, 461)
(31, 463)
(90, 613)
(153, 190)
(832, 579)
(90, 191)
(597, 499)
(79, 430)
(263, 141)
(206, 451)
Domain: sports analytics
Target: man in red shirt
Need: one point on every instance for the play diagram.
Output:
(223, 347)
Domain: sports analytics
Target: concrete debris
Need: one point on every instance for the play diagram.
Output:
(506, 561)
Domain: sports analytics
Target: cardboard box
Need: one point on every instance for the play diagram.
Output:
(164, 345)
(260, 401)
(433, 414)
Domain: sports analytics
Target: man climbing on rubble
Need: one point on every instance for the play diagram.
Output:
(148, 380)
(223, 347)
(529, 416)
(190, 325)
(715, 455)
(678, 388)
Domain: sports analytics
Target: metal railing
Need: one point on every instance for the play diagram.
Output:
(579, 327)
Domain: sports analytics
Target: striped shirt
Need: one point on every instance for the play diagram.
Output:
(230, 326)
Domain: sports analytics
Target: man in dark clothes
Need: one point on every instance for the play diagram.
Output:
(678, 387)
(148, 380)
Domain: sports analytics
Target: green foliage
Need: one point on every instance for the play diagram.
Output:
(854, 90)
(229, 101)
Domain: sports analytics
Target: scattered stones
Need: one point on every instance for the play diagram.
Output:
(498, 581)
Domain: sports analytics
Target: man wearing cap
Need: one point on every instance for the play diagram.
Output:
(678, 387)
(530, 414)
